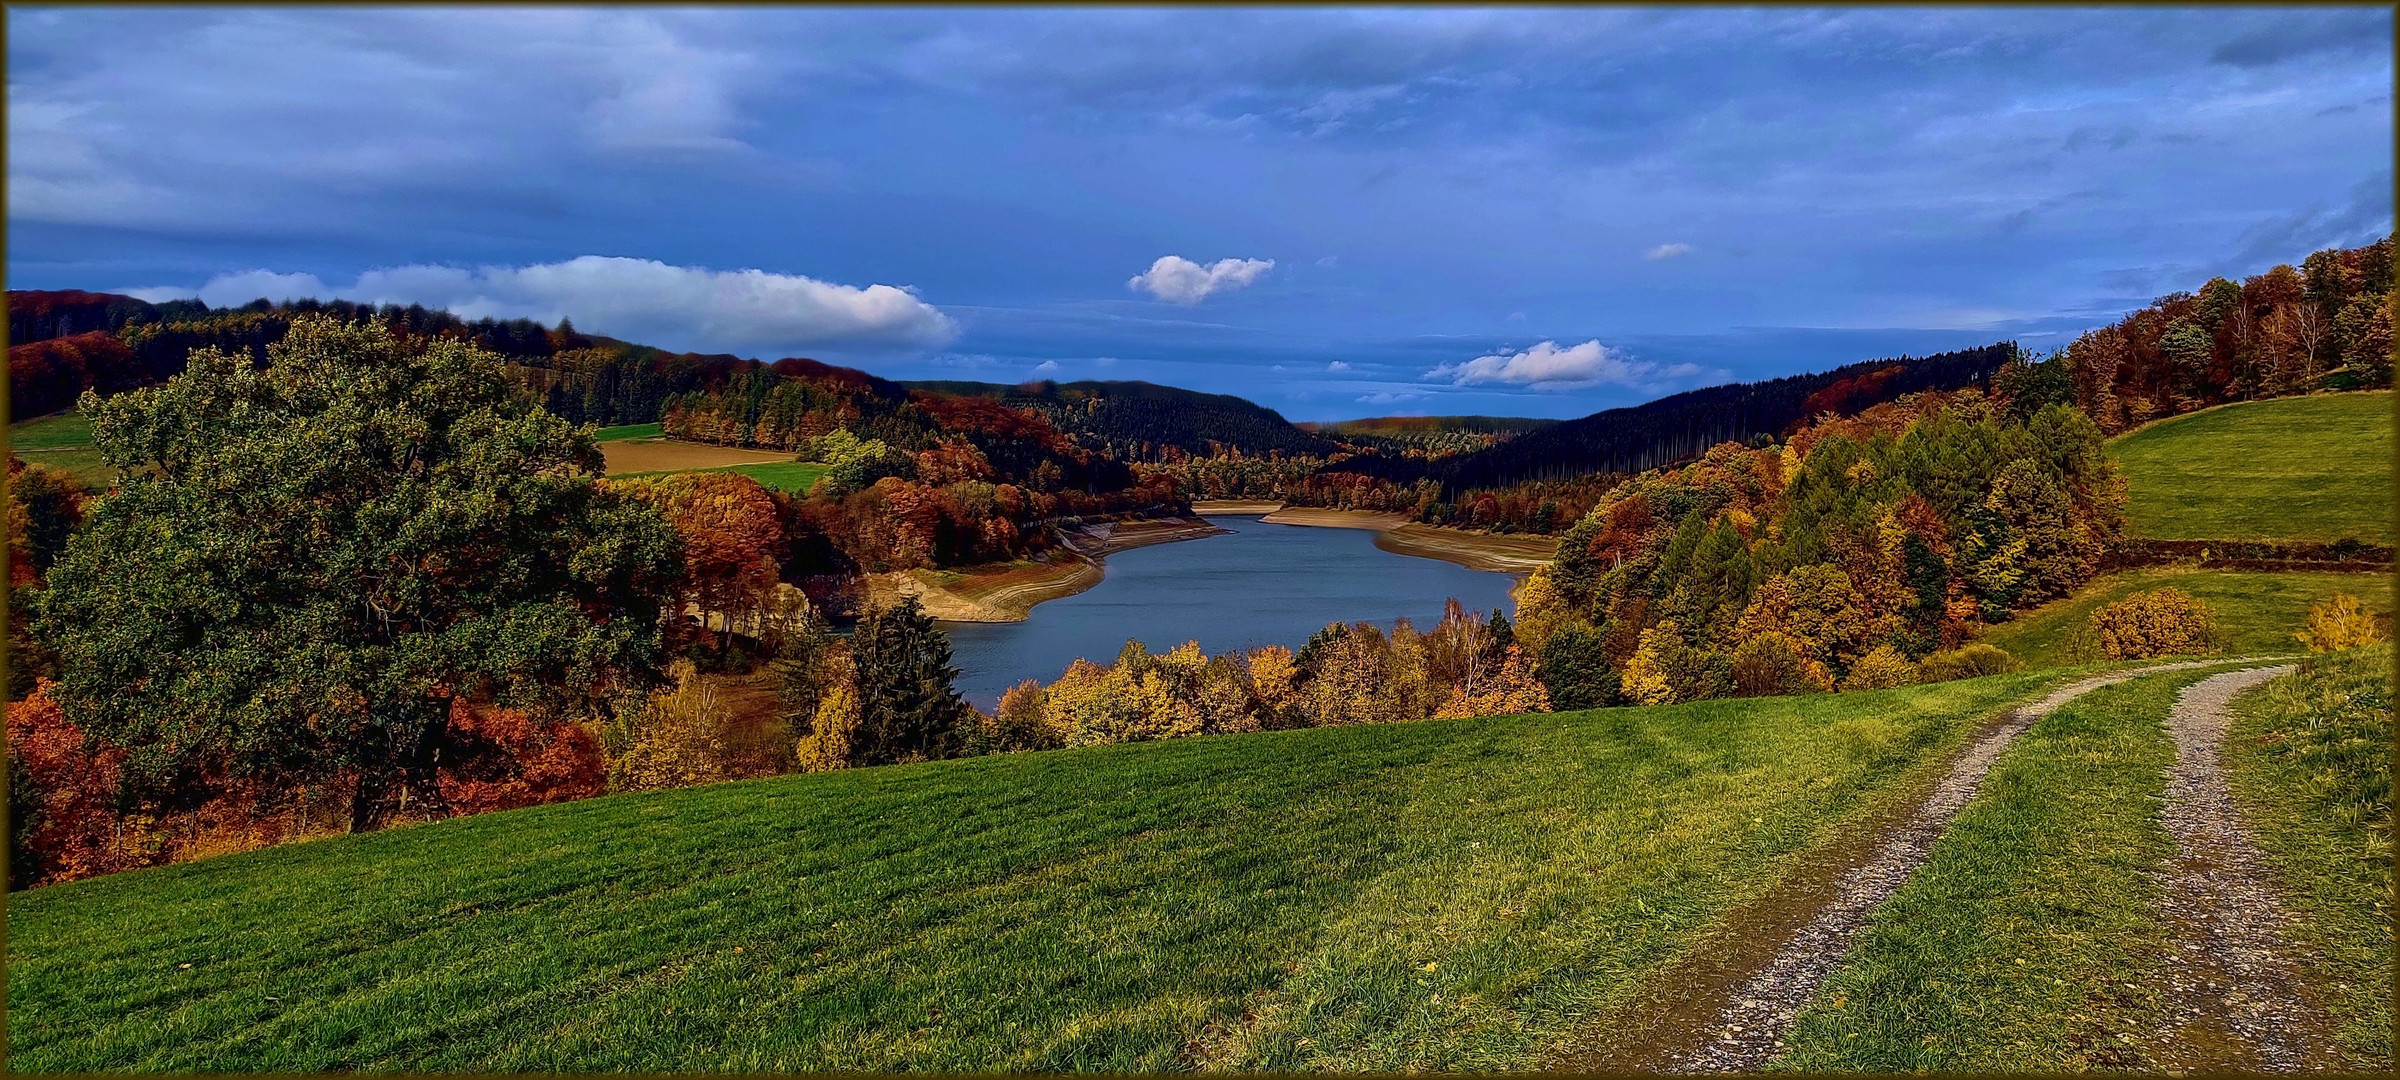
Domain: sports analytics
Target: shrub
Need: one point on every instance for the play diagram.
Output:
(1969, 662)
(1773, 663)
(1882, 669)
(2161, 622)
(2338, 623)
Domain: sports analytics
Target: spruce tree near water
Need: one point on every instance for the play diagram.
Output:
(907, 707)
(307, 562)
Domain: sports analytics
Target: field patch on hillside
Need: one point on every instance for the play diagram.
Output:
(2258, 612)
(1448, 894)
(70, 428)
(629, 456)
(2305, 468)
(623, 432)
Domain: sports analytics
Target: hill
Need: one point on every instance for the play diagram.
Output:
(1136, 420)
(1447, 894)
(2316, 468)
(2257, 612)
(1682, 425)
(1394, 425)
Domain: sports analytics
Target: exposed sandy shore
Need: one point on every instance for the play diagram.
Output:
(1235, 506)
(661, 455)
(1397, 534)
(1007, 592)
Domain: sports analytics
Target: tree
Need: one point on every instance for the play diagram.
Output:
(2339, 622)
(907, 707)
(1574, 666)
(731, 536)
(308, 562)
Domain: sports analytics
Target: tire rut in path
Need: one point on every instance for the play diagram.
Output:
(2233, 1001)
(1726, 1005)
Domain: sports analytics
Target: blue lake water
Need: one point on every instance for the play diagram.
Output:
(1260, 584)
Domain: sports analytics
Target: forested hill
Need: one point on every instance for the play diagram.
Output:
(1682, 425)
(1139, 421)
(1397, 425)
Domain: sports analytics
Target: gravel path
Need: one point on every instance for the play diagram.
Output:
(2233, 1000)
(1728, 1012)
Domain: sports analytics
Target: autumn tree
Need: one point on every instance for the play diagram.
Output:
(307, 562)
(732, 535)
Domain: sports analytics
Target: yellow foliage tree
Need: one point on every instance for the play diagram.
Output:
(677, 737)
(1541, 608)
(2339, 622)
(1511, 691)
(1646, 681)
(2161, 622)
(1881, 669)
(827, 746)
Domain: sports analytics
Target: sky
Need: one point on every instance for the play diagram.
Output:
(1335, 212)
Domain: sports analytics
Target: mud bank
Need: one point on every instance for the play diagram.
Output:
(1400, 536)
(1007, 592)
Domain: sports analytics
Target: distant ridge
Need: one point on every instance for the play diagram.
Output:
(1377, 425)
(1139, 420)
(1682, 425)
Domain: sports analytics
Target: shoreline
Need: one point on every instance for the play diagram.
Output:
(1008, 592)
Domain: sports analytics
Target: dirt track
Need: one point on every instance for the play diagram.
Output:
(1725, 1007)
(2235, 1003)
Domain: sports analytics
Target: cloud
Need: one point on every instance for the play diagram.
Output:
(2288, 38)
(1387, 397)
(1178, 280)
(1046, 367)
(1664, 252)
(641, 299)
(1338, 365)
(1546, 366)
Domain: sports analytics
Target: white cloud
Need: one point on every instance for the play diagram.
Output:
(1387, 397)
(1338, 365)
(1667, 251)
(1046, 366)
(637, 299)
(1178, 280)
(1547, 366)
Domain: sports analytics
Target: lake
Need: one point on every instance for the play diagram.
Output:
(1260, 584)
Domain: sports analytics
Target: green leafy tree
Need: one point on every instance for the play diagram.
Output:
(309, 561)
(908, 709)
(1574, 665)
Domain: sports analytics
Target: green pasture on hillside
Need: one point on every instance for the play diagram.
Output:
(792, 476)
(1442, 895)
(629, 431)
(53, 432)
(2258, 612)
(2315, 468)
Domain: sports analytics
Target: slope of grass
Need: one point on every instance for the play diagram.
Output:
(2021, 943)
(52, 432)
(629, 431)
(2309, 759)
(1450, 894)
(2258, 612)
(792, 476)
(2305, 468)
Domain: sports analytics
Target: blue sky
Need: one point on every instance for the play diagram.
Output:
(1334, 212)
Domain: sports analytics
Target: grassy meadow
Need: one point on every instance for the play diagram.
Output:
(622, 432)
(62, 441)
(2309, 759)
(1447, 894)
(2258, 612)
(2315, 468)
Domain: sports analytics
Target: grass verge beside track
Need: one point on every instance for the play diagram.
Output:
(2309, 761)
(2025, 941)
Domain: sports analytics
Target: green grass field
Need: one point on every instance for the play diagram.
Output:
(1449, 894)
(2306, 468)
(2012, 947)
(51, 432)
(629, 431)
(792, 476)
(2258, 612)
(2309, 759)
